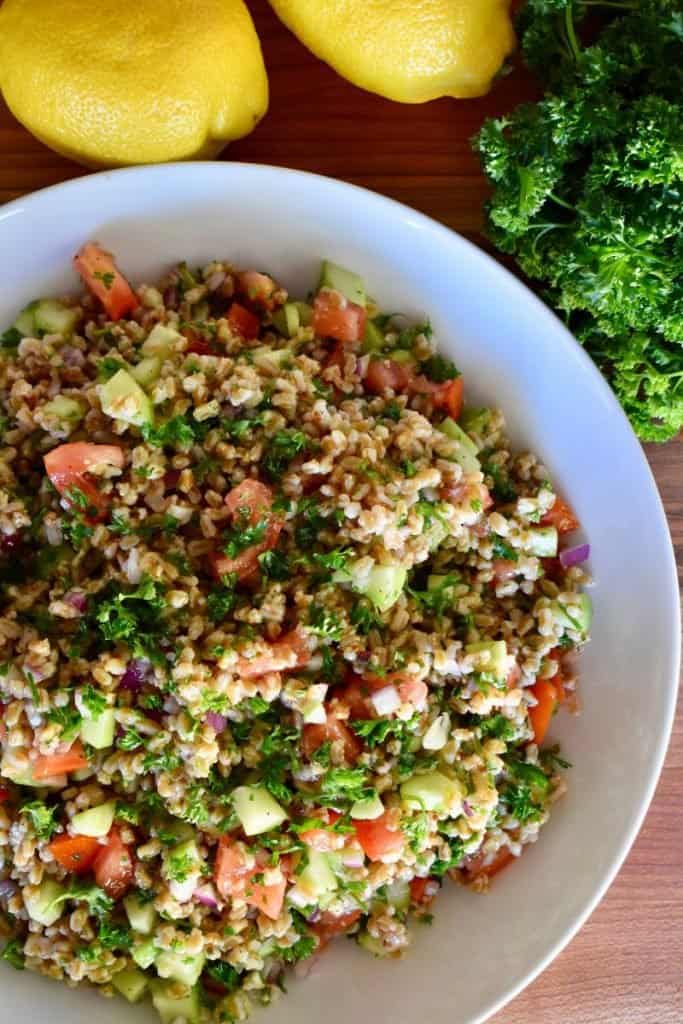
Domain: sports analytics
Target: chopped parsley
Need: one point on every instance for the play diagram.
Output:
(106, 277)
(324, 623)
(363, 617)
(221, 599)
(107, 367)
(377, 730)
(244, 534)
(114, 936)
(274, 565)
(439, 369)
(503, 550)
(68, 719)
(281, 449)
(176, 432)
(42, 819)
(13, 954)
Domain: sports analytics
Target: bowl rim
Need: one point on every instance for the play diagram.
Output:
(335, 186)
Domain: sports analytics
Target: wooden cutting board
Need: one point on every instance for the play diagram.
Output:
(624, 967)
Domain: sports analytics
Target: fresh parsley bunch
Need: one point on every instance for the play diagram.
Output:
(588, 189)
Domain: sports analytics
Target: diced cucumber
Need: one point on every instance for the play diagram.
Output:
(496, 663)
(52, 317)
(179, 966)
(287, 320)
(367, 810)
(345, 281)
(180, 829)
(317, 877)
(372, 945)
(466, 456)
(385, 585)
(146, 372)
(170, 1008)
(577, 618)
(267, 358)
(25, 778)
(25, 323)
(400, 355)
(99, 732)
(131, 984)
(305, 313)
(142, 916)
(65, 410)
(537, 781)
(95, 822)
(145, 954)
(542, 542)
(432, 792)
(257, 810)
(373, 339)
(123, 399)
(437, 734)
(474, 421)
(45, 905)
(442, 581)
(398, 895)
(161, 341)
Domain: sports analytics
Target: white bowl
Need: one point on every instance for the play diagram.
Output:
(513, 352)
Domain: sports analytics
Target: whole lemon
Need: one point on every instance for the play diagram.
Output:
(406, 50)
(110, 82)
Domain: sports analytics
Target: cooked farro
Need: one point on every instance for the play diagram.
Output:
(280, 639)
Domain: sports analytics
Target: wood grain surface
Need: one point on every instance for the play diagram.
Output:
(624, 967)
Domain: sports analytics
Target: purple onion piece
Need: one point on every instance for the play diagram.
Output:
(575, 555)
(77, 599)
(8, 888)
(217, 722)
(467, 808)
(206, 895)
(135, 674)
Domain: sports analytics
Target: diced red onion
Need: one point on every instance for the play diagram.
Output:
(7, 888)
(574, 556)
(72, 356)
(217, 722)
(135, 674)
(77, 599)
(206, 895)
(467, 808)
(314, 916)
(386, 700)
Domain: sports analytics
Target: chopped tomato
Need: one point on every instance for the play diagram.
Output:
(103, 278)
(292, 650)
(383, 374)
(545, 693)
(504, 569)
(335, 317)
(514, 676)
(377, 838)
(410, 690)
(113, 866)
(234, 879)
(4, 795)
(243, 321)
(332, 731)
(477, 869)
(68, 467)
(337, 355)
(324, 839)
(249, 504)
(258, 288)
(48, 765)
(449, 396)
(552, 567)
(561, 517)
(330, 925)
(197, 346)
(74, 853)
(423, 891)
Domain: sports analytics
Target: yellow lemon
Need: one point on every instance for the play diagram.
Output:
(407, 50)
(112, 82)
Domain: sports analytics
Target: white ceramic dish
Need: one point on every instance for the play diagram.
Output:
(481, 950)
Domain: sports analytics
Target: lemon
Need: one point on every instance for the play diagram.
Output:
(407, 50)
(110, 82)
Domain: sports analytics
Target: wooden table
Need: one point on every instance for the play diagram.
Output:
(625, 965)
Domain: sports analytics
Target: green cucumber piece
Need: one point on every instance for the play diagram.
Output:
(179, 966)
(305, 313)
(367, 810)
(431, 792)
(373, 339)
(398, 895)
(52, 317)
(95, 822)
(466, 456)
(161, 341)
(25, 323)
(145, 954)
(99, 732)
(385, 585)
(46, 904)
(64, 409)
(542, 542)
(123, 399)
(287, 320)
(537, 781)
(317, 877)
(475, 421)
(372, 945)
(341, 280)
(256, 809)
(147, 371)
(170, 1008)
(131, 984)
(578, 619)
(400, 355)
(497, 663)
(267, 358)
(142, 916)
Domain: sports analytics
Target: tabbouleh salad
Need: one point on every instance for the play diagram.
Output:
(282, 629)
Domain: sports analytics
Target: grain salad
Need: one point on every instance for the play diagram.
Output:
(283, 625)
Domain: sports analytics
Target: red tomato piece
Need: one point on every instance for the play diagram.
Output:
(476, 868)
(423, 891)
(335, 317)
(330, 925)
(68, 467)
(292, 650)
(113, 866)
(243, 321)
(540, 715)
(332, 731)
(514, 676)
(258, 288)
(385, 374)
(4, 795)
(378, 838)
(46, 766)
(503, 569)
(249, 503)
(324, 839)
(197, 346)
(103, 278)
(235, 880)
(561, 516)
(74, 853)
(450, 397)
